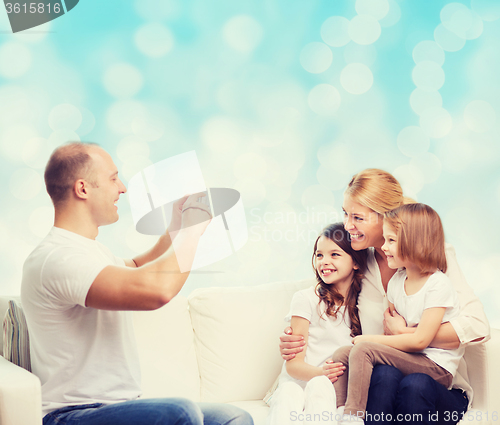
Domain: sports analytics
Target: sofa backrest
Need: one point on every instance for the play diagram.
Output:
(236, 335)
(165, 342)
(166, 349)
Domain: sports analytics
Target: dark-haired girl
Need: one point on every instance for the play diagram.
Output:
(326, 315)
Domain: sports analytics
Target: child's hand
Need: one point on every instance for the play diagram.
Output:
(362, 338)
(333, 370)
(394, 324)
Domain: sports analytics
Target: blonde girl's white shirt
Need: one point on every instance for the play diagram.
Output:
(470, 324)
(326, 333)
(81, 355)
(436, 292)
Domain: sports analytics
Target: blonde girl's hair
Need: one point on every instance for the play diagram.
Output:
(420, 236)
(377, 190)
(328, 293)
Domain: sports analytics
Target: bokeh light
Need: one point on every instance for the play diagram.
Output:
(364, 29)
(376, 8)
(250, 165)
(324, 99)
(429, 165)
(393, 16)
(479, 116)
(243, 33)
(316, 57)
(488, 10)
(335, 31)
(154, 40)
(252, 191)
(357, 53)
(447, 39)
(428, 76)
(25, 183)
(356, 78)
(65, 117)
(15, 60)
(412, 141)
(436, 122)
(421, 100)
(428, 50)
(123, 80)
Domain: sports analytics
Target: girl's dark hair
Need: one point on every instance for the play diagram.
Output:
(329, 293)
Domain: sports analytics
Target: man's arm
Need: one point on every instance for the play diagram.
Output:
(155, 283)
(165, 241)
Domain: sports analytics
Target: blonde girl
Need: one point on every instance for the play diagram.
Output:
(422, 294)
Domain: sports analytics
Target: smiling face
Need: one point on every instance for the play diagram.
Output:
(107, 190)
(390, 247)
(333, 265)
(363, 224)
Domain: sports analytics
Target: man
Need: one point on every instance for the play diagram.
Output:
(77, 298)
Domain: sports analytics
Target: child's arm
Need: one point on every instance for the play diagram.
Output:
(297, 368)
(417, 341)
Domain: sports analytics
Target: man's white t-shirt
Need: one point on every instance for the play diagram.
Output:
(326, 333)
(436, 292)
(81, 355)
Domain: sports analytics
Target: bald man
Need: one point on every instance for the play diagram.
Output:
(78, 297)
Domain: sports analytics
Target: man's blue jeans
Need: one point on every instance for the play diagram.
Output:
(161, 411)
(414, 399)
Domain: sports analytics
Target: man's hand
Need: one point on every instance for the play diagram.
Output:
(333, 370)
(176, 220)
(394, 324)
(194, 212)
(290, 344)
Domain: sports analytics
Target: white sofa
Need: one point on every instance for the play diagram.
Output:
(221, 345)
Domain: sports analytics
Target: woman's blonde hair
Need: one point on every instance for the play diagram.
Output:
(420, 236)
(376, 189)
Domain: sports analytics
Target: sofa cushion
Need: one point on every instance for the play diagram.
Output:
(236, 336)
(166, 350)
(16, 345)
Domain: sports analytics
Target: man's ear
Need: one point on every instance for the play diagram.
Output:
(80, 188)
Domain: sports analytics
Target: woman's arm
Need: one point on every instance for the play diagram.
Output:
(471, 326)
(297, 368)
(424, 333)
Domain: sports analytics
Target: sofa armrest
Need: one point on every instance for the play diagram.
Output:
(483, 368)
(493, 371)
(20, 395)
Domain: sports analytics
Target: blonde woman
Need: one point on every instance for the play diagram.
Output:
(369, 195)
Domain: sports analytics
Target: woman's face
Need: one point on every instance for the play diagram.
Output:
(363, 224)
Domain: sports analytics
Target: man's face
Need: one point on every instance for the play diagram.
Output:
(102, 199)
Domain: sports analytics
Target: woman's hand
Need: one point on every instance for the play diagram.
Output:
(290, 344)
(394, 324)
(333, 370)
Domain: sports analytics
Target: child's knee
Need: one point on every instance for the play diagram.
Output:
(291, 391)
(341, 355)
(319, 384)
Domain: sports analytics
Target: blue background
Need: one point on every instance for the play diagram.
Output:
(279, 100)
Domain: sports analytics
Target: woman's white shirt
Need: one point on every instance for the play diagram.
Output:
(470, 325)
